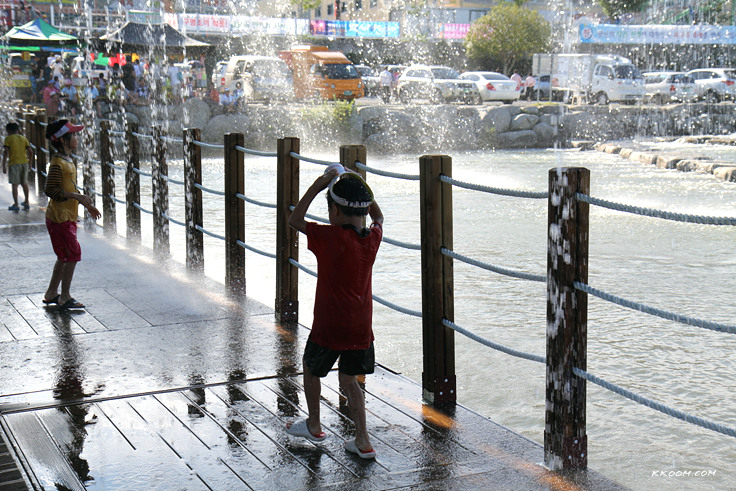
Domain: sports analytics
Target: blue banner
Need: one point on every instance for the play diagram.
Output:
(657, 34)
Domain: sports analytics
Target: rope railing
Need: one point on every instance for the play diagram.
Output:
(142, 135)
(255, 202)
(396, 175)
(208, 145)
(649, 212)
(495, 269)
(703, 423)
(254, 152)
(172, 180)
(664, 314)
(405, 245)
(488, 189)
(173, 220)
(491, 344)
(309, 159)
(141, 172)
(211, 234)
(138, 206)
(208, 190)
(253, 249)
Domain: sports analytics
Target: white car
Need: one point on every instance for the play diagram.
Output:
(438, 84)
(494, 86)
(715, 84)
(666, 87)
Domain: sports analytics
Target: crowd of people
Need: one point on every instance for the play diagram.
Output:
(135, 82)
(526, 85)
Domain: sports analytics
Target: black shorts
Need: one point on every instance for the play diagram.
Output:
(320, 360)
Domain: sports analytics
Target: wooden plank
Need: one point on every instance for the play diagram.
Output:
(51, 467)
(15, 324)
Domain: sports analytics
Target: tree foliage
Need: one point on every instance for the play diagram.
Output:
(614, 8)
(506, 37)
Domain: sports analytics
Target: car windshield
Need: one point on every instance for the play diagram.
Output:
(445, 73)
(366, 71)
(495, 76)
(681, 78)
(340, 71)
(627, 71)
(270, 69)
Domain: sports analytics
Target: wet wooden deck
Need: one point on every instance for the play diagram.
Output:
(166, 383)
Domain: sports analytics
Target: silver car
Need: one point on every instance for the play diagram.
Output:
(437, 83)
(666, 87)
(714, 84)
(493, 86)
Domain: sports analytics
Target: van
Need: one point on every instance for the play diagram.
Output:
(261, 78)
(322, 74)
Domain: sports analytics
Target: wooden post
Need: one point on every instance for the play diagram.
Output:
(160, 192)
(107, 172)
(438, 377)
(565, 439)
(41, 149)
(29, 128)
(193, 200)
(287, 239)
(234, 214)
(132, 185)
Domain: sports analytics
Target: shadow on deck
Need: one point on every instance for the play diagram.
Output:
(164, 382)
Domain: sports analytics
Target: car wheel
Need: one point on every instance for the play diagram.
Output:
(601, 98)
(436, 97)
(404, 96)
(509, 101)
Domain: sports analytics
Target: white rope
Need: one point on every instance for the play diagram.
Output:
(212, 191)
(211, 234)
(142, 209)
(208, 145)
(255, 152)
(308, 159)
(492, 190)
(491, 344)
(172, 180)
(495, 269)
(253, 249)
(255, 202)
(166, 216)
(408, 177)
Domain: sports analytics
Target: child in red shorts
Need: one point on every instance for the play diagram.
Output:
(343, 304)
(61, 212)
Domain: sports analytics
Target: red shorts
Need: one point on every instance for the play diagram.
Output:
(64, 241)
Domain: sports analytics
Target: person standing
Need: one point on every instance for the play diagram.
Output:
(175, 81)
(18, 153)
(517, 78)
(343, 304)
(386, 80)
(62, 212)
(529, 84)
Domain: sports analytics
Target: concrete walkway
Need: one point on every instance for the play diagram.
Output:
(164, 382)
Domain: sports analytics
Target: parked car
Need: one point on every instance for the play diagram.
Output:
(262, 78)
(436, 83)
(493, 86)
(369, 75)
(666, 87)
(714, 84)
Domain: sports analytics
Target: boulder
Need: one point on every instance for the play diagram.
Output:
(523, 121)
(497, 119)
(726, 173)
(545, 133)
(517, 139)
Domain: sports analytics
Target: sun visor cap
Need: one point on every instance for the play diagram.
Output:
(60, 128)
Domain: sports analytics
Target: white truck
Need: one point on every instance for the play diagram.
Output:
(581, 78)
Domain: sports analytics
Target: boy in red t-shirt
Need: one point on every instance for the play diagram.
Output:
(343, 303)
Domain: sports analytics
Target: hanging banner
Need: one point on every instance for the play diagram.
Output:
(657, 34)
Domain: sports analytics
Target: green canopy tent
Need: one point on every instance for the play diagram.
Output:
(39, 33)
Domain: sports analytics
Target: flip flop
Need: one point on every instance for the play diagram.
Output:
(351, 447)
(299, 428)
(53, 300)
(72, 304)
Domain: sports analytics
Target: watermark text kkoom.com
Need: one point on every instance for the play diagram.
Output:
(673, 473)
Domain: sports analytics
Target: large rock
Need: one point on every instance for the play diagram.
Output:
(214, 131)
(524, 121)
(545, 133)
(517, 139)
(192, 113)
(497, 119)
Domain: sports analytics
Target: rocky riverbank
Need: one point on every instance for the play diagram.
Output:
(425, 128)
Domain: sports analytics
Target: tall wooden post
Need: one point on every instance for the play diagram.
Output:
(438, 377)
(29, 129)
(287, 239)
(160, 192)
(234, 214)
(107, 172)
(132, 185)
(41, 148)
(193, 200)
(565, 438)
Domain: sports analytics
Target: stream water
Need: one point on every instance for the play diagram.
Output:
(685, 268)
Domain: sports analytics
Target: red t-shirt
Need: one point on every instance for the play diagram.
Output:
(343, 303)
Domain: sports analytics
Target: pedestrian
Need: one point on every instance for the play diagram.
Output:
(343, 305)
(386, 80)
(51, 97)
(529, 86)
(62, 211)
(175, 78)
(70, 96)
(517, 78)
(17, 153)
(227, 102)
